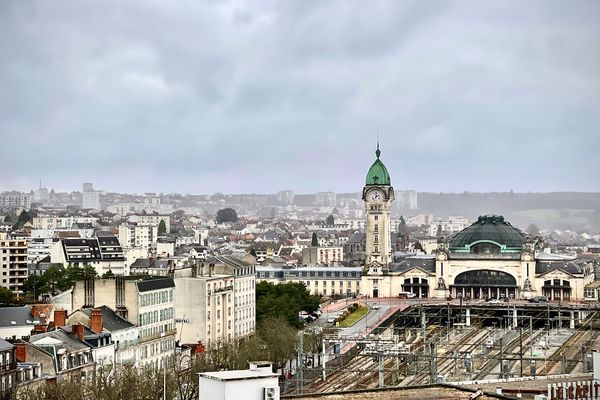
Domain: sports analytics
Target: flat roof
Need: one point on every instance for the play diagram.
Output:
(236, 375)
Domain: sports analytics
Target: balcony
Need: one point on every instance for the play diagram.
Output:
(159, 335)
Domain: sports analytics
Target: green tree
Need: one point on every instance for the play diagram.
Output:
(22, 220)
(419, 246)
(108, 274)
(330, 220)
(314, 242)
(285, 301)
(226, 215)
(162, 227)
(6, 295)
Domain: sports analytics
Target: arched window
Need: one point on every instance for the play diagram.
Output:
(483, 277)
(485, 248)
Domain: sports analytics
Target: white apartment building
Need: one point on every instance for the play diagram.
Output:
(322, 255)
(151, 219)
(454, 224)
(15, 200)
(244, 275)
(134, 235)
(124, 209)
(90, 197)
(13, 263)
(148, 304)
(50, 222)
(38, 249)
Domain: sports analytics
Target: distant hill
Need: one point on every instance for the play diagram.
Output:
(559, 210)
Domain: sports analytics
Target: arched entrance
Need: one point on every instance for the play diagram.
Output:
(485, 284)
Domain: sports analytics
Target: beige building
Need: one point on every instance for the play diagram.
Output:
(13, 264)
(151, 219)
(146, 303)
(320, 281)
(316, 255)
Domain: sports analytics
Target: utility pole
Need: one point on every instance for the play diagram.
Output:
(521, 349)
(300, 365)
(381, 370)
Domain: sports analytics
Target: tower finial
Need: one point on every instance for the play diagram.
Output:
(377, 152)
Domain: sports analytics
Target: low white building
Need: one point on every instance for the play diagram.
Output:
(257, 383)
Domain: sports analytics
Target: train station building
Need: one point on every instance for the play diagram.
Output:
(489, 259)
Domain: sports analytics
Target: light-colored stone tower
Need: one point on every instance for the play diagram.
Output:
(378, 195)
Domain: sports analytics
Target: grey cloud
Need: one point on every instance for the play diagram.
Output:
(242, 96)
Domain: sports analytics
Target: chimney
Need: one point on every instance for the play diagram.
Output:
(21, 352)
(96, 320)
(60, 318)
(78, 330)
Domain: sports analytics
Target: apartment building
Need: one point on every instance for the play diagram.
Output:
(13, 264)
(104, 253)
(151, 219)
(138, 236)
(15, 200)
(316, 255)
(244, 275)
(51, 222)
(204, 307)
(147, 303)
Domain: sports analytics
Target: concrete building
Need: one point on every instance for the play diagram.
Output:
(327, 255)
(13, 263)
(133, 235)
(407, 199)
(146, 303)
(15, 200)
(52, 222)
(325, 199)
(215, 301)
(285, 197)
(151, 219)
(204, 305)
(320, 281)
(90, 197)
(104, 253)
(257, 383)
(453, 224)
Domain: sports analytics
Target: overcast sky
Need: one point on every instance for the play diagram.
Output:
(256, 96)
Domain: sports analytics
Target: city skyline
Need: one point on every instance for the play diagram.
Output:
(257, 97)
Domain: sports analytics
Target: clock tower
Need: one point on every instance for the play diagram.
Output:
(378, 195)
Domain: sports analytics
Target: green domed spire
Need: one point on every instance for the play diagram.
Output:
(378, 173)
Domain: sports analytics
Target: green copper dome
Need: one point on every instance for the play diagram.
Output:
(488, 229)
(378, 173)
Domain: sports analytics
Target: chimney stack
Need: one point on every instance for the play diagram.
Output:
(78, 330)
(60, 318)
(96, 320)
(21, 352)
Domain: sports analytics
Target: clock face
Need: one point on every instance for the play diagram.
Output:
(376, 195)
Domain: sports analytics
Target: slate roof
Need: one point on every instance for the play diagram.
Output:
(111, 321)
(4, 345)
(358, 237)
(155, 284)
(574, 268)
(427, 264)
(59, 338)
(20, 315)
